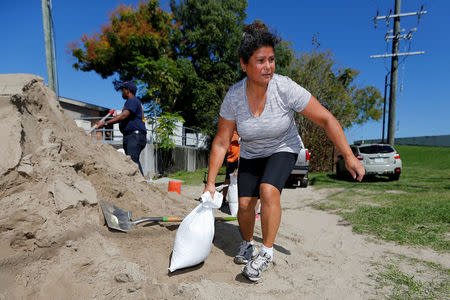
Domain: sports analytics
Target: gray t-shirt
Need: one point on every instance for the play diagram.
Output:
(274, 130)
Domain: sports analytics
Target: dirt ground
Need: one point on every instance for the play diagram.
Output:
(54, 242)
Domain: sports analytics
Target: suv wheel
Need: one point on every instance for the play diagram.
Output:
(394, 176)
(304, 181)
(338, 172)
(289, 183)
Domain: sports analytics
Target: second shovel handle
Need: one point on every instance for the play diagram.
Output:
(175, 219)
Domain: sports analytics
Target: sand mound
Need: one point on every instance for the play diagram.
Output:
(51, 179)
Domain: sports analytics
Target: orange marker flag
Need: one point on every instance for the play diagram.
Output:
(175, 186)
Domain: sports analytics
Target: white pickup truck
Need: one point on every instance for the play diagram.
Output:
(299, 175)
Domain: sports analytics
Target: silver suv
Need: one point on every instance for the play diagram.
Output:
(299, 174)
(377, 159)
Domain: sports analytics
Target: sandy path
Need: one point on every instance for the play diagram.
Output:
(315, 258)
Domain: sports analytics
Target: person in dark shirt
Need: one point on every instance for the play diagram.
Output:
(131, 123)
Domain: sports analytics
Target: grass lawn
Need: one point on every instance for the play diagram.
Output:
(401, 277)
(414, 210)
(197, 177)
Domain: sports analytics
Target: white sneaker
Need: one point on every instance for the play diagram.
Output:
(247, 251)
(253, 270)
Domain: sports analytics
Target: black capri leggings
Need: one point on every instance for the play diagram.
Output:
(230, 167)
(274, 170)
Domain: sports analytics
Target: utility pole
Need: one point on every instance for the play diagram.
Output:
(49, 45)
(394, 62)
(384, 105)
(394, 67)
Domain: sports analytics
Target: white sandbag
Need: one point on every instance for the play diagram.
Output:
(195, 235)
(258, 209)
(232, 194)
(234, 207)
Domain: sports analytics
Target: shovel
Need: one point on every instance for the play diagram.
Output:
(119, 219)
(111, 112)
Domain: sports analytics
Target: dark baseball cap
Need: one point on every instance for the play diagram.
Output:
(129, 85)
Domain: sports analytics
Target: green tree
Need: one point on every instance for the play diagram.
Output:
(335, 89)
(135, 44)
(210, 32)
(285, 57)
(185, 61)
(165, 127)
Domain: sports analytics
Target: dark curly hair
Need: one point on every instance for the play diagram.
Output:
(255, 36)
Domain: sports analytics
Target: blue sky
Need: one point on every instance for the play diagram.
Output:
(344, 27)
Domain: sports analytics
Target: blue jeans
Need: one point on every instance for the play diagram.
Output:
(133, 144)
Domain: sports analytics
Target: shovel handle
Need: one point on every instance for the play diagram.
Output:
(175, 219)
(226, 218)
(157, 219)
(102, 120)
(171, 219)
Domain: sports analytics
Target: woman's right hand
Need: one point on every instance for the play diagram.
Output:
(211, 188)
(219, 147)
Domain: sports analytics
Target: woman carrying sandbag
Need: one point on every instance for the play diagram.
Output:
(262, 107)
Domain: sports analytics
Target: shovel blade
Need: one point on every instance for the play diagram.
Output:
(116, 218)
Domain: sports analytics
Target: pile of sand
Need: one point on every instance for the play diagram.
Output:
(51, 179)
